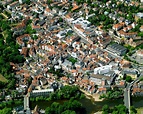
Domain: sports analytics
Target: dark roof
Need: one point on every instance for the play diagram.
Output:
(42, 22)
(117, 47)
(100, 76)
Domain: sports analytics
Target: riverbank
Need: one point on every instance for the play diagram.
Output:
(94, 96)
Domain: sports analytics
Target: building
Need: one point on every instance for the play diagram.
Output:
(97, 79)
(117, 49)
(103, 69)
(44, 92)
(139, 53)
(21, 1)
(141, 28)
(131, 72)
(125, 64)
(138, 16)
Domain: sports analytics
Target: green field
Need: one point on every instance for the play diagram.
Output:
(3, 79)
(140, 110)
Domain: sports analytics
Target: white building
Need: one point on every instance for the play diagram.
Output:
(21, 1)
(41, 92)
(103, 69)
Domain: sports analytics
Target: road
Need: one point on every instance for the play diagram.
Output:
(127, 94)
(127, 99)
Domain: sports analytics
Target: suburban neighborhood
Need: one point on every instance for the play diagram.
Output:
(62, 46)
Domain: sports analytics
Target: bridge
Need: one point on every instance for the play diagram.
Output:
(127, 94)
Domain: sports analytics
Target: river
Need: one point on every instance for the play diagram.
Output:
(90, 105)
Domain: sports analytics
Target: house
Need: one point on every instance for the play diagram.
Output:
(43, 81)
(22, 1)
(125, 64)
(75, 6)
(22, 39)
(138, 16)
(127, 22)
(69, 18)
(64, 79)
(66, 65)
(128, 34)
(103, 87)
(118, 26)
(41, 23)
(24, 51)
(32, 52)
(12, 5)
(97, 79)
(79, 64)
(117, 49)
(19, 29)
(42, 17)
(130, 72)
(137, 89)
(48, 11)
(134, 42)
(121, 84)
(141, 28)
(139, 53)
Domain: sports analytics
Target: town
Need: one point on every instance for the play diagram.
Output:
(95, 45)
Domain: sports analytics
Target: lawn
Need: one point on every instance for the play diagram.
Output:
(140, 110)
(3, 79)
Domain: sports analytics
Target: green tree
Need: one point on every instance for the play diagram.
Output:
(49, 1)
(106, 108)
(69, 112)
(69, 107)
(28, 2)
(11, 84)
(119, 109)
(6, 111)
(128, 78)
(133, 110)
(112, 94)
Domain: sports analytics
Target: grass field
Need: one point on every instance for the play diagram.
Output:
(140, 110)
(3, 79)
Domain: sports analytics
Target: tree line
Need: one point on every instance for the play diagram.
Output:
(69, 107)
(8, 53)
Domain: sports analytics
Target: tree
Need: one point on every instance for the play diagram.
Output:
(29, 30)
(19, 59)
(6, 111)
(4, 25)
(69, 107)
(73, 60)
(119, 109)
(140, 34)
(11, 84)
(112, 94)
(133, 110)
(69, 112)
(49, 1)
(106, 108)
(28, 2)
(128, 78)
